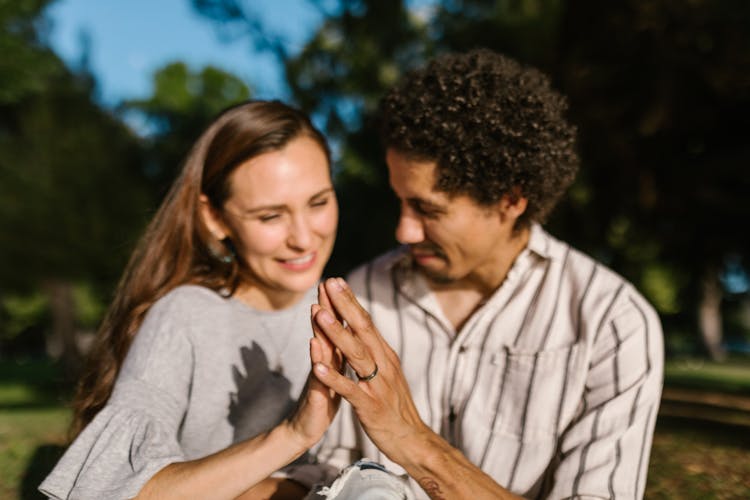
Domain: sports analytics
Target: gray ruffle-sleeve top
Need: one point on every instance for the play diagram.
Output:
(203, 372)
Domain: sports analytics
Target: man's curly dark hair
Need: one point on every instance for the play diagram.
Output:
(492, 126)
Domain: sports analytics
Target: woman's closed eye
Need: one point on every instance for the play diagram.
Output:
(269, 216)
(320, 202)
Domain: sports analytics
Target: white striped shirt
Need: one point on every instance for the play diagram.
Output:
(551, 387)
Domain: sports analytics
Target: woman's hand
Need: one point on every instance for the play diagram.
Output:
(318, 404)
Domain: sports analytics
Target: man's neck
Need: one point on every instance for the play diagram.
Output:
(459, 299)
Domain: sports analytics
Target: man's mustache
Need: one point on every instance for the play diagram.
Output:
(430, 248)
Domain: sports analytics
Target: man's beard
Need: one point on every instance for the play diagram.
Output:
(438, 277)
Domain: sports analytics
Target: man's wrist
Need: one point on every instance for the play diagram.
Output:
(423, 451)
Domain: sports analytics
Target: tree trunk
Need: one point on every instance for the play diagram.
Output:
(61, 342)
(709, 315)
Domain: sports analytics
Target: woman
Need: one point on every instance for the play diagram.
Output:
(203, 354)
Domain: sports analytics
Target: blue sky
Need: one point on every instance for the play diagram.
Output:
(130, 39)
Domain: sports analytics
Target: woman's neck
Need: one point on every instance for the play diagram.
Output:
(265, 299)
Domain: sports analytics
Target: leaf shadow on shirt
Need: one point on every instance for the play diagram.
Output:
(262, 399)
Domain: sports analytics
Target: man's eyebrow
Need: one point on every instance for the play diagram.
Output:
(422, 203)
(282, 206)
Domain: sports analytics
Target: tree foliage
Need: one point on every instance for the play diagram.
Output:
(71, 195)
(27, 64)
(182, 104)
(76, 184)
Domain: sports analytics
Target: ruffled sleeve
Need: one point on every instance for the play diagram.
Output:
(137, 433)
(120, 450)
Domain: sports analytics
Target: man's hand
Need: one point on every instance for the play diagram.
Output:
(383, 403)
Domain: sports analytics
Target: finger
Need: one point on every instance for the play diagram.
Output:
(325, 301)
(317, 357)
(356, 352)
(341, 385)
(331, 355)
(323, 298)
(346, 305)
(318, 333)
(316, 351)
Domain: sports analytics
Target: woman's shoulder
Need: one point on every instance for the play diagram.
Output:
(192, 293)
(184, 306)
(185, 299)
(175, 324)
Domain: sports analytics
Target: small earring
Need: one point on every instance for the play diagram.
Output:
(232, 251)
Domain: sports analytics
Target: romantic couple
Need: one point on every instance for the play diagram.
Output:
(482, 359)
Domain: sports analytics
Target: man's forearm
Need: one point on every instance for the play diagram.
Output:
(444, 472)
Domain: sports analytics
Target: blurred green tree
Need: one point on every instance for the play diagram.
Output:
(182, 104)
(76, 184)
(27, 64)
(72, 195)
(661, 91)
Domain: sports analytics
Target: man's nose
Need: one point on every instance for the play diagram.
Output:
(410, 228)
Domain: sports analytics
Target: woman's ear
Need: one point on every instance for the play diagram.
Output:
(212, 219)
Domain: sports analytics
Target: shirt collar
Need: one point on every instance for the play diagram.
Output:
(539, 241)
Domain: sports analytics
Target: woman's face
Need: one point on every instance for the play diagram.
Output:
(281, 215)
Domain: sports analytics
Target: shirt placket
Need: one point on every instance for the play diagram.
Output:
(457, 384)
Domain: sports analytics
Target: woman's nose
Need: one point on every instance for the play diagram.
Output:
(300, 233)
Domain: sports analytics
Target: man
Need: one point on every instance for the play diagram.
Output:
(495, 360)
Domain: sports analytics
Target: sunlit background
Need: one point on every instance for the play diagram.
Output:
(100, 100)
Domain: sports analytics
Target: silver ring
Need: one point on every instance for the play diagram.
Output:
(369, 377)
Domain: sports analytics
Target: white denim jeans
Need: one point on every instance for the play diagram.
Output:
(365, 480)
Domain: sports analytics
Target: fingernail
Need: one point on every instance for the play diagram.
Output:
(335, 283)
(321, 368)
(325, 317)
(342, 283)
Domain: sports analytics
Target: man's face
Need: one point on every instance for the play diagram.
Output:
(452, 238)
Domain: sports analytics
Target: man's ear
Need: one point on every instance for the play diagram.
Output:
(513, 205)
(212, 219)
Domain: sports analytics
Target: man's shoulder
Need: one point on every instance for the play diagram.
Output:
(580, 268)
(600, 291)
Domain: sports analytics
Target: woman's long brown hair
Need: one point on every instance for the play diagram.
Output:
(176, 247)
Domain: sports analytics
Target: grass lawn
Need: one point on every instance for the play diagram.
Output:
(31, 441)
(732, 376)
(33, 424)
(690, 459)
